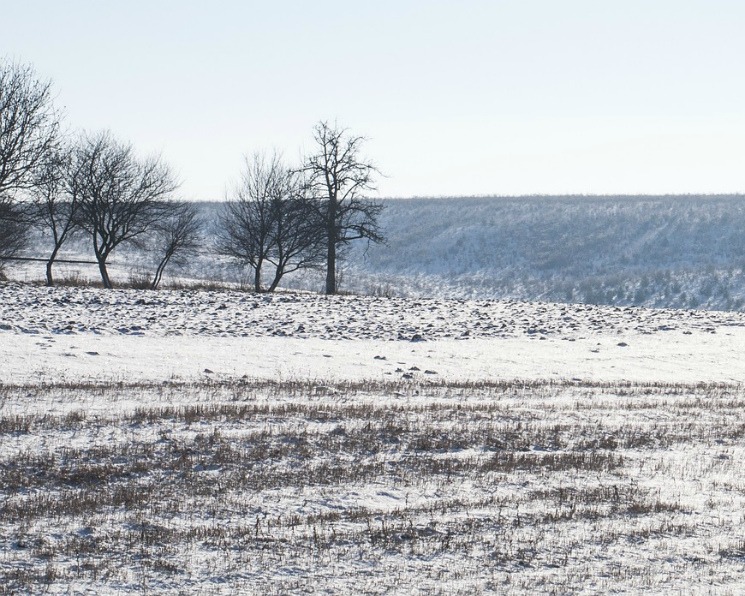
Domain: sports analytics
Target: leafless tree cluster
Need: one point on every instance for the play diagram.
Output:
(90, 184)
(300, 218)
(269, 219)
(278, 218)
(120, 198)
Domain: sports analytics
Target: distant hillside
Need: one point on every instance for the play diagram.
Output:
(669, 251)
(676, 251)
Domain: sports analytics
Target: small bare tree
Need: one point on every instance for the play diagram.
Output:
(55, 203)
(268, 219)
(121, 197)
(178, 237)
(29, 129)
(338, 177)
(297, 244)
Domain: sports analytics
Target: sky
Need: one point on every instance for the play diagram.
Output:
(474, 97)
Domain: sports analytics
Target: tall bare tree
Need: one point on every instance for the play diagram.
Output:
(29, 130)
(121, 197)
(339, 178)
(178, 237)
(269, 219)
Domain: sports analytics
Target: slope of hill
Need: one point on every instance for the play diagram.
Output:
(669, 251)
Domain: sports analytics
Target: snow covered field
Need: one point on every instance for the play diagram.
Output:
(226, 442)
(125, 335)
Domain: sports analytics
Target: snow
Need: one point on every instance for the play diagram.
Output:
(227, 442)
(670, 358)
(682, 251)
(70, 333)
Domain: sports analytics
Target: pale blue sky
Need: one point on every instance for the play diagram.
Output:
(456, 98)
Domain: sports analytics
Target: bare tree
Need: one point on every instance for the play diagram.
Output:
(55, 202)
(121, 197)
(297, 244)
(178, 236)
(338, 177)
(245, 222)
(268, 219)
(29, 127)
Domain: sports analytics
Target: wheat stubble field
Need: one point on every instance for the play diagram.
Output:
(377, 474)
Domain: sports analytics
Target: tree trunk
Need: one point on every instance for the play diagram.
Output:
(278, 273)
(50, 262)
(104, 273)
(331, 233)
(257, 276)
(158, 274)
(50, 278)
(331, 268)
(161, 268)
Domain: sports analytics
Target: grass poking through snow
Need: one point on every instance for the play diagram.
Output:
(237, 487)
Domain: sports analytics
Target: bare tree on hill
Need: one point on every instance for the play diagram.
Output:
(121, 197)
(338, 178)
(269, 219)
(55, 203)
(178, 236)
(29, 131)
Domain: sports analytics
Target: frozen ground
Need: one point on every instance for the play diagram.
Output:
(218, 442)
(74, 334)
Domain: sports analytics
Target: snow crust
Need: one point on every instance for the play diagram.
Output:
(74, 333)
